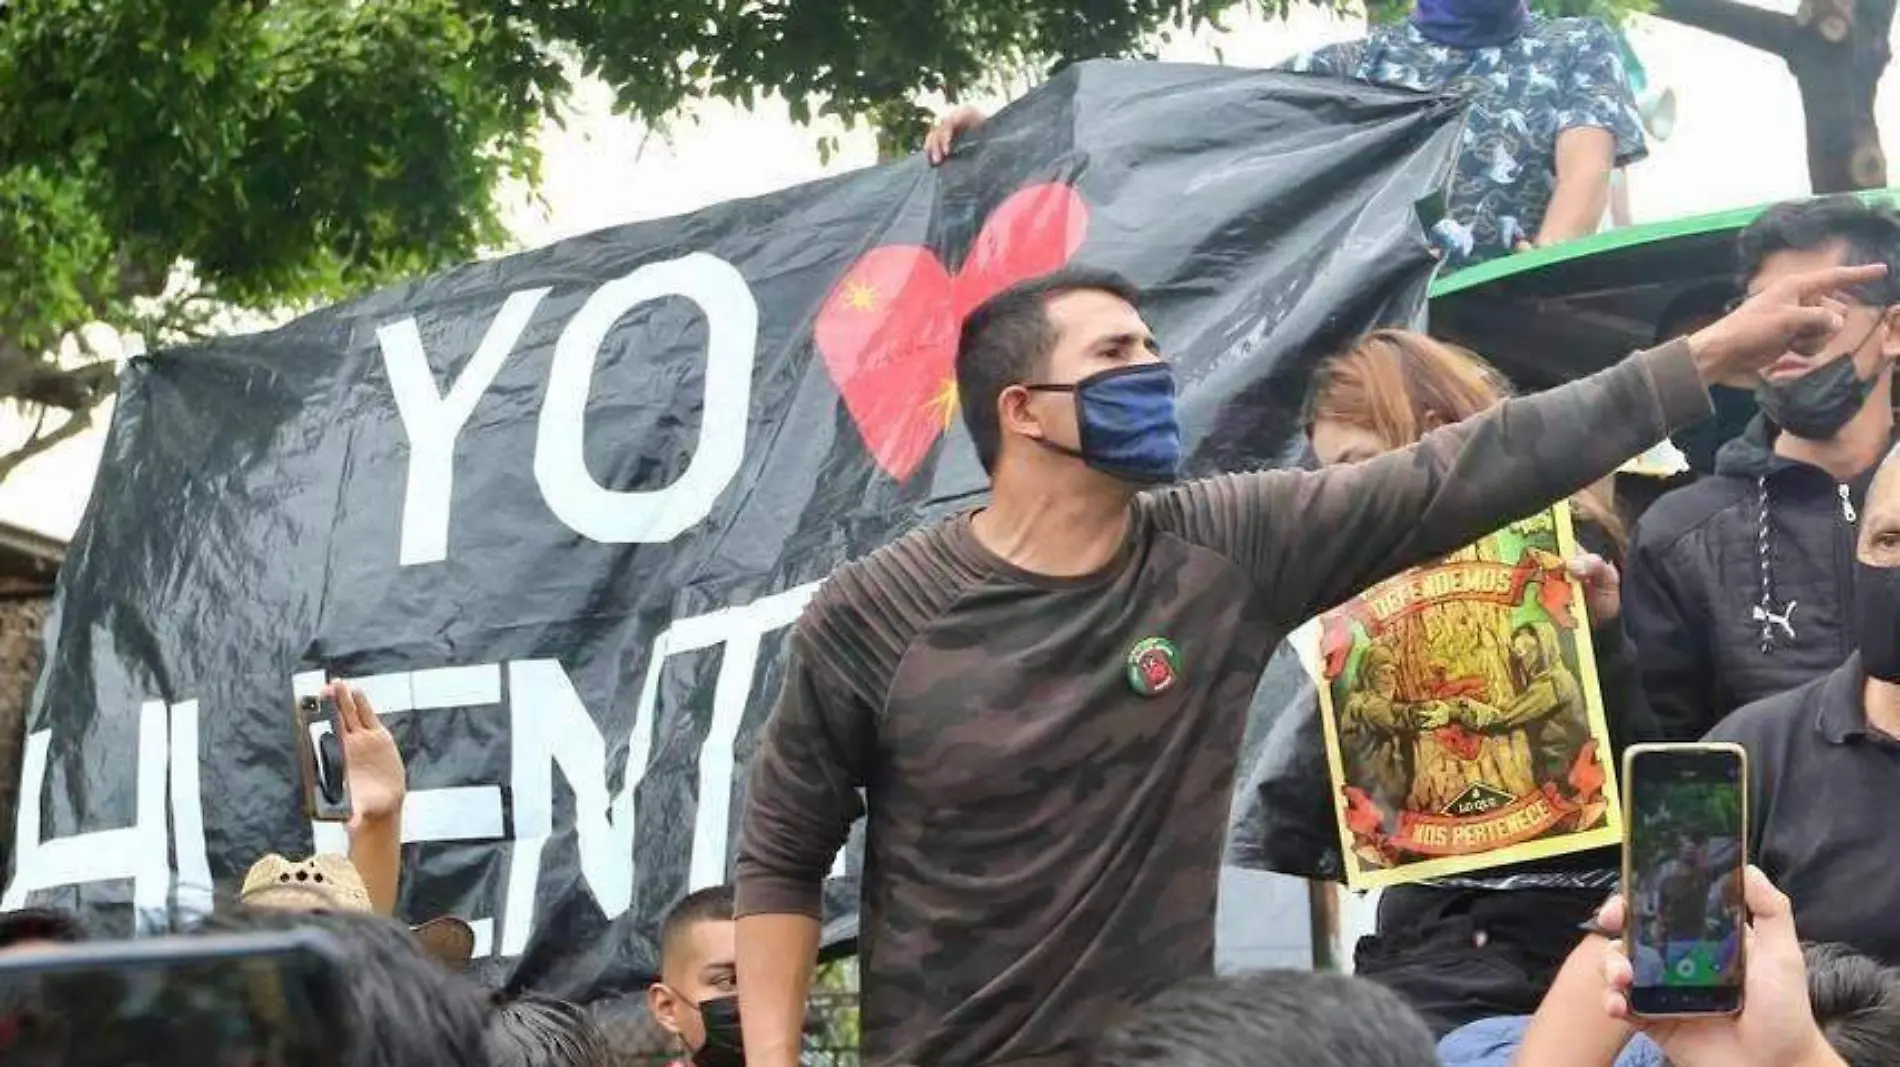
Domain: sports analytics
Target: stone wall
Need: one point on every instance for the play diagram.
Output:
(20, 622)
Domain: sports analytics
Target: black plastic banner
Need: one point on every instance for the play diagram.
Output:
(555, 512)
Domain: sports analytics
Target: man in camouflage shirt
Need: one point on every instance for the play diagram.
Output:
(1042, 700)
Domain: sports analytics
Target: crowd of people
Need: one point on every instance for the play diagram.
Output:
(1038, 704)
(411, 999)
(951, 686)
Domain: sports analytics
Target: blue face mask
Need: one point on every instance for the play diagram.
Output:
(1127, 424)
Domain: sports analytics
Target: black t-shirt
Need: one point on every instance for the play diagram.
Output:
(1821, 810)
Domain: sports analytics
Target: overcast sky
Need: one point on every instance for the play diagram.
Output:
(1738, 141)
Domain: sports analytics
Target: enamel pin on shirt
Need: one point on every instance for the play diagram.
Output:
(1153, 666)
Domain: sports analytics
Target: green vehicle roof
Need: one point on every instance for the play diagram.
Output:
(1558, 313)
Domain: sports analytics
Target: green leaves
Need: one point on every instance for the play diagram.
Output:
(58, 254)
(289, 152)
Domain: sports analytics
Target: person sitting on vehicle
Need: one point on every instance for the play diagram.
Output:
(1552, 116)
(1824, 759)
(1737, 585)
(1447, 945)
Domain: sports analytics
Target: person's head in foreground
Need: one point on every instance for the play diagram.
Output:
(409, 1011)
(1270, 1019)
(1391, 387)
(1060, 380)
(697, 997)
(1856, 1004)
(331, 883)
(32, 929)
(531, 1030)
(1816, 396)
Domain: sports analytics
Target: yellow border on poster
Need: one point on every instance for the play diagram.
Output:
(1610, 833)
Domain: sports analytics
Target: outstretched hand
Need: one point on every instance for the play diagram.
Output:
(1800, 313)
(375, 771)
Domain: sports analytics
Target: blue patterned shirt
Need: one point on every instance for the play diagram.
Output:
(1560, 74)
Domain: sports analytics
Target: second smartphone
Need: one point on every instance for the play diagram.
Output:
(1683, 861)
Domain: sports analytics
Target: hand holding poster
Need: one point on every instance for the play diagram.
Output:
(1464, 726)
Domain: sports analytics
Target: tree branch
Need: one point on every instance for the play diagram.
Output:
(1837, 64)
(77, 389)
(75, 424)
(1755, 27)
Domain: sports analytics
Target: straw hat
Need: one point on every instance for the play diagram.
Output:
(331, 883)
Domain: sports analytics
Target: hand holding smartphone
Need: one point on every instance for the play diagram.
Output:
(1684, 857)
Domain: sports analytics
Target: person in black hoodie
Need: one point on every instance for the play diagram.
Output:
(1487, 944)
(1824, 761)
(1739, 586)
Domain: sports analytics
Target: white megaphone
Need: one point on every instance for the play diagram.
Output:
(1658, 110)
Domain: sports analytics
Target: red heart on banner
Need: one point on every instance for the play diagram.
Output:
(888, 329)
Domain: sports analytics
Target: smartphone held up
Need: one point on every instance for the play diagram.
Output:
(1684, 857)
(320, 754)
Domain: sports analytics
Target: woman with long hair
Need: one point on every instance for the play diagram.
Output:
(1486, 944)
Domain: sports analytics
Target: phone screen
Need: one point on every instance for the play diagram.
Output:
(1687, 847)
(269, 1000)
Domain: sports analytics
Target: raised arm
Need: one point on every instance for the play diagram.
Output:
(800, 805)
(378, 786)
(1598, 130)
(1310, 539)
(1570, 1028)
(1585, 156)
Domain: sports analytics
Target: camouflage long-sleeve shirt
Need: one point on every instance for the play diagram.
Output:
(1048, 763)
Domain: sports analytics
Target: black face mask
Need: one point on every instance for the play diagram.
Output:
(1877, 620)
(725, 1043)
(1816, 405)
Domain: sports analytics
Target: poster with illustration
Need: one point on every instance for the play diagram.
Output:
(1464, 726)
